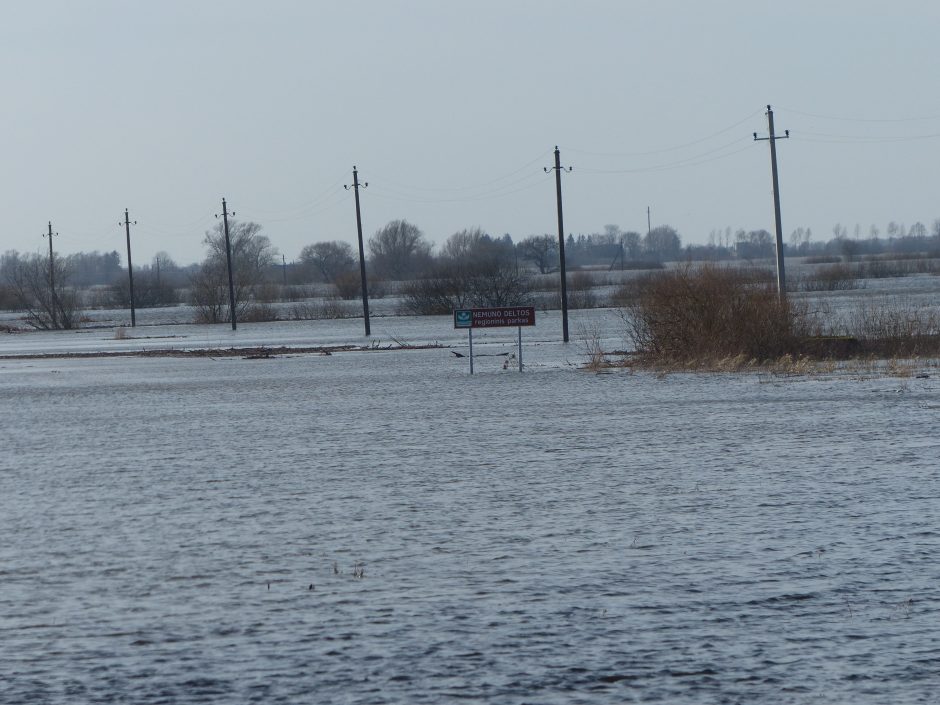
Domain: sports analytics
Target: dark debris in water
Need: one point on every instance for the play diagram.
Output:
(247, 353)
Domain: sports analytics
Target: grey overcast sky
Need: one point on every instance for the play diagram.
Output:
(451, 109)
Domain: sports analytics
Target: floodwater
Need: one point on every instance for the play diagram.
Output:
(381, 527)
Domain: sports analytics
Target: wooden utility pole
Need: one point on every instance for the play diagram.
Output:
(772, 138)
(130, 266)
(52, 304)
(362, 256)
(228, 260)
(561, 242)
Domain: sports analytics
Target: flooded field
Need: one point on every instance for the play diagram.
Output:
(381, 527)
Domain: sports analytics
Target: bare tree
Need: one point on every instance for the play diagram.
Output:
(450, 286)
(541, 250)
(149, 290)
(30, 281)
(252, 256)
(474, 245)
(663, 242)
(399, 250)
(631, 243)
(329, 259)
(474, 269)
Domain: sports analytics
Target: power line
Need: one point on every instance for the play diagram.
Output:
(480, 186)
(674, 148)
(305, 206)
(864, 139)
(858, 119)
(703, 158)
(498, 193)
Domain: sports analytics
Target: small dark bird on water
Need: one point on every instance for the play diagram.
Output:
(311, 587)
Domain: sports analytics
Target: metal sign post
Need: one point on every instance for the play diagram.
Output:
(520, 348)
(504, 317)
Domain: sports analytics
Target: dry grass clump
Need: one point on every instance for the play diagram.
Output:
(329, 308)
(895, 327)
(590, 339)
(581, 290)
(727, 320)
(836, 277)
(698, 317)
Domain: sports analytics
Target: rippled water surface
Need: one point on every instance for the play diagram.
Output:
(380, 527)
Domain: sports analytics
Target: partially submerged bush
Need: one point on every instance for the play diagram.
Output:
(581, 291)
(349, 285)
(835, 277)
(699, 316)
(894, 326)
(456, 285)
(324, 309)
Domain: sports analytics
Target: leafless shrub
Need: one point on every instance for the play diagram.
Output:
(581, 291)
(893, 326)
(326, 309)
(629, 292)
(258, 312)
(251, 257)
(268, 292)
(348, 285)
(453, 285)
(836, 277)
(47, 307)
(695, 316)
(590, 340)
(642, 265)
(887, 268)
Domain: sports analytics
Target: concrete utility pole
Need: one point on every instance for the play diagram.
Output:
(649, 222)
(362, 256)
(52, 305)
(561, 242)
(130, 266)
(772, 138)
(228, 259)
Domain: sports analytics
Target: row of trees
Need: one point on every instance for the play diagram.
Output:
(760, 244)
(400, 251)
(471, 268)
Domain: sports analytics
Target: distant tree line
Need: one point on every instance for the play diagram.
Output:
(470, 268)
(760, 244)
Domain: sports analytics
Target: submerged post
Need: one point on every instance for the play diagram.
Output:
(130, 266)
(498, 317)
(561, 243)
(772, 138)
(52, 300)
(362, 256)
(228, 259)
(520, 347)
